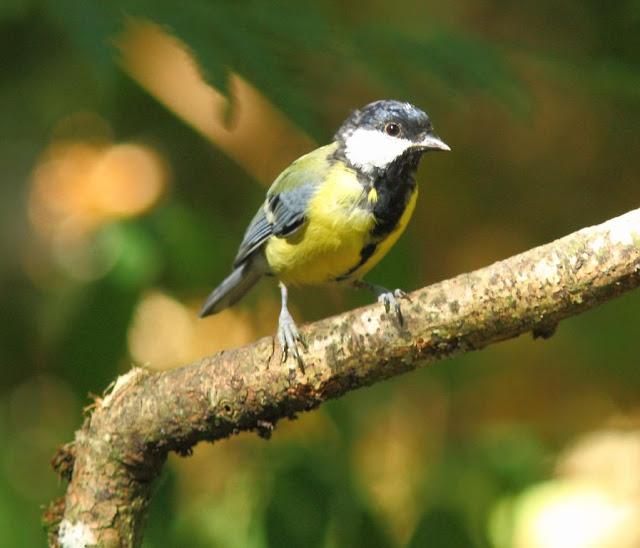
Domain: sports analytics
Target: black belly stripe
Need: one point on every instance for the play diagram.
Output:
(394, 188)
(365, 253)
(389, 209)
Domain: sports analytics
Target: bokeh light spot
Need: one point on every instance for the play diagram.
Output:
(79, 186)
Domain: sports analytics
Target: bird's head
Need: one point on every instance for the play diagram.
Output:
(382, 132)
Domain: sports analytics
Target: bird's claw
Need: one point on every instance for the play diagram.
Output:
(401, 294)
(289, 337)
(391, 299)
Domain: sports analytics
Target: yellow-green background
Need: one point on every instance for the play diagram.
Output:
(540, 102)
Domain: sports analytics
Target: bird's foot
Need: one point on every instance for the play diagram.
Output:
(390, 299)
(289, 337)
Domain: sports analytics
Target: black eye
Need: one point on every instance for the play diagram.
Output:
(392, 129)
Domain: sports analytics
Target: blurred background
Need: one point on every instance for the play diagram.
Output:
(138, 139)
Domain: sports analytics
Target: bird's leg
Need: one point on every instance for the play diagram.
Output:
(288, 334)
(385, 296)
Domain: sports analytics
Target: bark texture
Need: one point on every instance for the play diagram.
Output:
(119, 451)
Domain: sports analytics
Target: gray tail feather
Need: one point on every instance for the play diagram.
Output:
(232, 289)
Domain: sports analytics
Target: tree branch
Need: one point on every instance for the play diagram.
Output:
(120, 449)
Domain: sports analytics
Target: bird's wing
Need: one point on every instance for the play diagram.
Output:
(257, 233)
(284, 210)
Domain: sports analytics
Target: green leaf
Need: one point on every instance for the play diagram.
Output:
(91, 27)
(11, 10)
(196, 24)
(440, 59)
(293, 53)
(300, 489)
(441, 528)
(263, 42)
(135, 253)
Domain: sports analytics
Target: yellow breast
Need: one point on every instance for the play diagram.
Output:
(329, 243)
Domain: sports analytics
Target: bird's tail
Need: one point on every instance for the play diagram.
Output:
(232, 288)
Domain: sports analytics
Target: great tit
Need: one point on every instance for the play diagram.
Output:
(335, 212)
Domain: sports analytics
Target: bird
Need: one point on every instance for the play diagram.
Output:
(334, 213)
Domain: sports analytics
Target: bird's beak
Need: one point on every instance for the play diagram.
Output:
(433, 142)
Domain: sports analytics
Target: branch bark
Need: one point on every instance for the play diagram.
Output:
(120, 449)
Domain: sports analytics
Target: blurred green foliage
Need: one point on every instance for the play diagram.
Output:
(540, 102)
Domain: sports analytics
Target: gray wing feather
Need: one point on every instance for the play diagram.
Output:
(287, 211)
(257, 232)
(289, 208)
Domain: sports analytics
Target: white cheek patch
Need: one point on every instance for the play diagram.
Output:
(368, 149)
